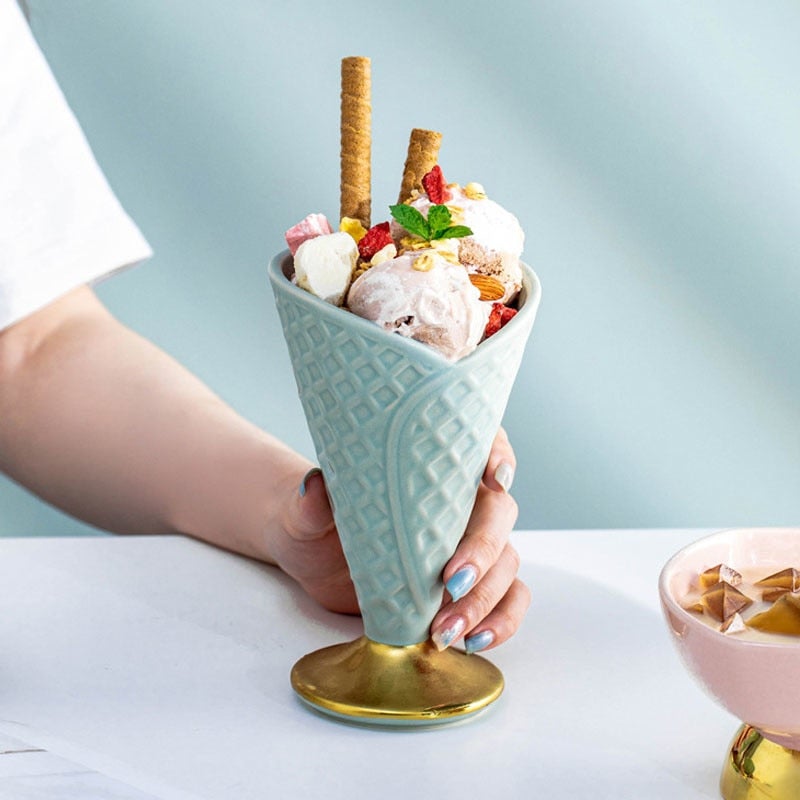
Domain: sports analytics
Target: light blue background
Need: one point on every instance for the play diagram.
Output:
(650, 151)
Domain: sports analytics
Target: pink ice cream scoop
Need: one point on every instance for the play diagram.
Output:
(425, 297)
(495, 245)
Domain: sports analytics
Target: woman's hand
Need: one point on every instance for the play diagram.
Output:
(485, 600)
(307, 547)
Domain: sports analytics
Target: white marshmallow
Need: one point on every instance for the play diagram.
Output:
(324, 266)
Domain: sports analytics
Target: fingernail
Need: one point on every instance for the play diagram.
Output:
(480, 641)
(504, 475)
(461, 582)
(446, 636)
(306, 478)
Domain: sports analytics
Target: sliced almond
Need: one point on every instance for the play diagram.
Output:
(489, 287)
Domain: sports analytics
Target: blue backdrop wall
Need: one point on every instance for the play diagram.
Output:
(649, 150)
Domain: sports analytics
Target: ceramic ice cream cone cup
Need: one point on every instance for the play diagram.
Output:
(402, 437)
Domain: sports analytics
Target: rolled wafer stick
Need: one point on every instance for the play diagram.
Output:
(423, 153)
(355, 154)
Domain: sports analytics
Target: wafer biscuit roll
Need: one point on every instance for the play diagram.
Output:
(423, 153)
(356, 115)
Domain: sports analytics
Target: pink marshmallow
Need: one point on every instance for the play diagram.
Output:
(312, 226)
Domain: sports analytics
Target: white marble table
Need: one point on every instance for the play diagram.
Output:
(157, 667)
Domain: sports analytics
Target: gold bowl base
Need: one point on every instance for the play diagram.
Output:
(380, 684)
(758, 769)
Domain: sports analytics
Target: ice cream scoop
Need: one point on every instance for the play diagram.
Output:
(423, 296)
(497, 239)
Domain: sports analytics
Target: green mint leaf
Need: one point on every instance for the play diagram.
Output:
(439, 220)
(411, 220)
(455, 232)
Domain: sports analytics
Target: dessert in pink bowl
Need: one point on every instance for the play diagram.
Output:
(753, 677)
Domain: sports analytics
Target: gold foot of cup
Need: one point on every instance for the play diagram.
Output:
(379, 684)
(758, 769)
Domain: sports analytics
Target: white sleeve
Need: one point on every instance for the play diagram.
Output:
(60, 223)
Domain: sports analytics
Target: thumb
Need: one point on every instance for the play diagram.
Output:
(310, 515)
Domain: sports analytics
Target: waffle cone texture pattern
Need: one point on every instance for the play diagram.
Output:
(402, 437)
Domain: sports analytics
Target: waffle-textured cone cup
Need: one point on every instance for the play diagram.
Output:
(402, 437)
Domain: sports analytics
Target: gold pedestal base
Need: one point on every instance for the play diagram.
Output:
(758, 769)
(379, 684)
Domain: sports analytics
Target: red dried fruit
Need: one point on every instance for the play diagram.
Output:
(374, 240)
(434, 184)
(495, 320)
(498, 317)
(507, 313)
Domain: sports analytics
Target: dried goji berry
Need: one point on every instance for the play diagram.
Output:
(498, 317)
(434, 184)
(506, 313)
(375, 239)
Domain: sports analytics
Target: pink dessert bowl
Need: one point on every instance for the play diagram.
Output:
(755, 680)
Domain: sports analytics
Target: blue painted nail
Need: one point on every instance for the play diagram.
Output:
(445, 637)
(461, 582)
(480, 641)
(310, 474)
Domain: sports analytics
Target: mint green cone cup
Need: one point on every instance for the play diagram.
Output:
(402, 437)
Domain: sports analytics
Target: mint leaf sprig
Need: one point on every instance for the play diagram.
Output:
(436, 226)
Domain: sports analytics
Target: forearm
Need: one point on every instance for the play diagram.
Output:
(101, 423)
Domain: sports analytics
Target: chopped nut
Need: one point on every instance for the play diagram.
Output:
(475, 191)
(447, 249)
(413, 243)
(424, 263)
(456, 214)
(386, 253)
